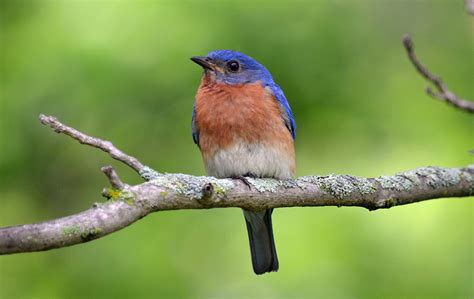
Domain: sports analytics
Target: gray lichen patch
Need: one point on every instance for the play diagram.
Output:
(289, 184)
(397, 182)
(440, 177)
(304, 181)
(434, 177)
(265, 185)
(191, 186)
(148, 173)
(467, 176)
(365, 186)
(340, 186)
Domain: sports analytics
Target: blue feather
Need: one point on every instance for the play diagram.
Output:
(280, 97)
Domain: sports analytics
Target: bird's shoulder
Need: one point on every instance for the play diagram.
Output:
(287, 114)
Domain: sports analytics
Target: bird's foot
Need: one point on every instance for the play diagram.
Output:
(244, 180)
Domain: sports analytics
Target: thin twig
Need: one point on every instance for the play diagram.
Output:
(443, 93)
(113, 177)
(104, 145)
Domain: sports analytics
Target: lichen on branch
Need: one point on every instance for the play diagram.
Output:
(181, 191)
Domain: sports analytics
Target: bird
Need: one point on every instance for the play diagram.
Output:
(243, 126)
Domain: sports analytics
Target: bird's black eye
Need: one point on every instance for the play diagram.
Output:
(233, 66)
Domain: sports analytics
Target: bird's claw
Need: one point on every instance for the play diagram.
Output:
(244, 180)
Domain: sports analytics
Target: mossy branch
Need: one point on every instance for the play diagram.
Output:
(127, 204)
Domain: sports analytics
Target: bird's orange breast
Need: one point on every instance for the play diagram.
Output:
(249, 113)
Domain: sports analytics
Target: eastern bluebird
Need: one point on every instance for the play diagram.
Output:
(243, 125)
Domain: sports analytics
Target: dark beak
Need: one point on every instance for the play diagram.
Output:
(204, 61)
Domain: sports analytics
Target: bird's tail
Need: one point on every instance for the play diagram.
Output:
(262, 245)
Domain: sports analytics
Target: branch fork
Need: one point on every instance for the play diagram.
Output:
(443, 94)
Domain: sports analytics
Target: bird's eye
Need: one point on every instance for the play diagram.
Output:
(233, 66)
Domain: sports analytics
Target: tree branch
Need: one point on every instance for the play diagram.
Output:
(163, 192)
(443, 93)
(180, 191)
(103, 145)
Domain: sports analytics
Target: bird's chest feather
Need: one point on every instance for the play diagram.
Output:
(241, 131)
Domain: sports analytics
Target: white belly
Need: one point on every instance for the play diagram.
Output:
(251, 159)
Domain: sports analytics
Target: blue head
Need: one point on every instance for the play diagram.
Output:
(233, 67)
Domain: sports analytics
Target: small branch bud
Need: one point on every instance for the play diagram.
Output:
(207, 192)
(113, 177)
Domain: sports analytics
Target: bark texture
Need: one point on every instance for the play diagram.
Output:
(180, 191)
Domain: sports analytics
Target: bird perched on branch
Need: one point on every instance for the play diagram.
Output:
(244, 127)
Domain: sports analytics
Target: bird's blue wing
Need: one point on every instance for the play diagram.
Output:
(280, 97)
(194, 126)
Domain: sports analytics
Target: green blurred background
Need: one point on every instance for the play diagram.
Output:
(120, 70)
